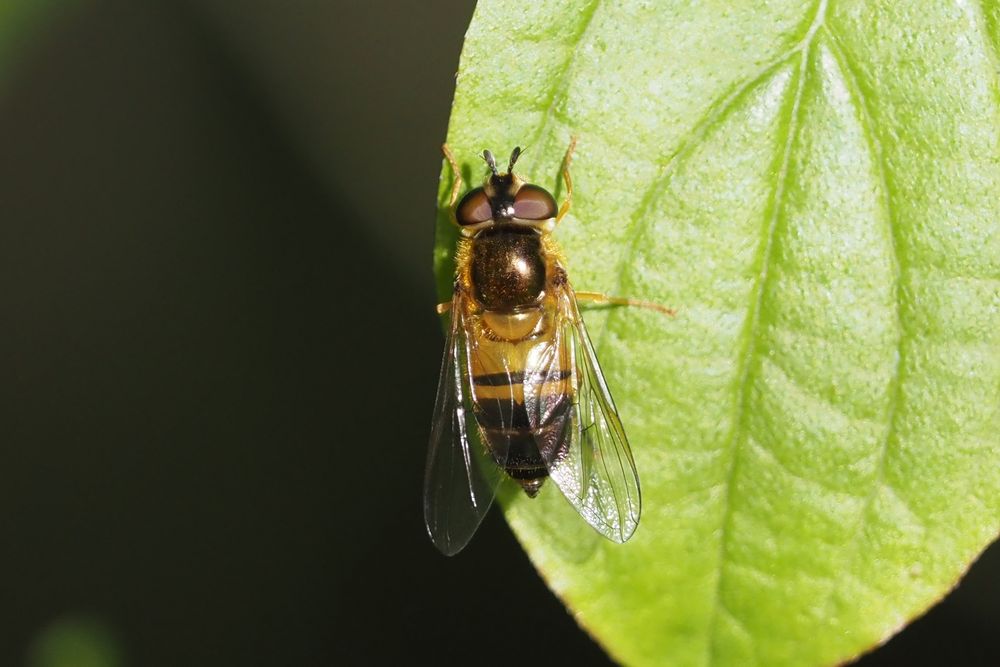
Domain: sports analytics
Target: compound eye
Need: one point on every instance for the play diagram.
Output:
(534, 203)
(474, 208)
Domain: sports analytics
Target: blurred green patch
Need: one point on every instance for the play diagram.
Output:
(76, 641)
(20, 23)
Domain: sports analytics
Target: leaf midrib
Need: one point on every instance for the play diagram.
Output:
(561, 88)
(876, 148)
(751, 352)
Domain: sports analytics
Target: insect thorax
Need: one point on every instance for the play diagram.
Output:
(507, 268)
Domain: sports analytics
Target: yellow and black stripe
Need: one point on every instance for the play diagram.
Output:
(524, 446)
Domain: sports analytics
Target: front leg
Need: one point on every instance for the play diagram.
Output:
(456, 184)
(567, 160)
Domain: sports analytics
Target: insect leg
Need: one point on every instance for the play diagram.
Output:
(446, 306)
(567, 160)
(605, 300)
(456, 183)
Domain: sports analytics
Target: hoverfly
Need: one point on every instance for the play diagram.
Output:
(521, 394)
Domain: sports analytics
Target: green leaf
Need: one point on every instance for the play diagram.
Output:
(815, 187)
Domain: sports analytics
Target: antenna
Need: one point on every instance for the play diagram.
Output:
(490, 161)
(517, 152)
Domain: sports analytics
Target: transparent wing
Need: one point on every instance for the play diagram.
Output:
(583, 442)
(461, 478)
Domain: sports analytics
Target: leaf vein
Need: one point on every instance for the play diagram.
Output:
(561, 88)
(749, 353)
(814, 484)
(988, 27)
(685, 145)
(815, 398)
(690, 139)
(852, 81)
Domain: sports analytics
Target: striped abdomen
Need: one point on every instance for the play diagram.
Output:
(502, 369)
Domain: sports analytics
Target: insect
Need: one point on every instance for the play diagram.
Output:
(521, 394)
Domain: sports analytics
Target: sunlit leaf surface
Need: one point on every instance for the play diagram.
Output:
(815, 186)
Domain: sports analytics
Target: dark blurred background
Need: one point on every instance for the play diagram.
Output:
(220, 352)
